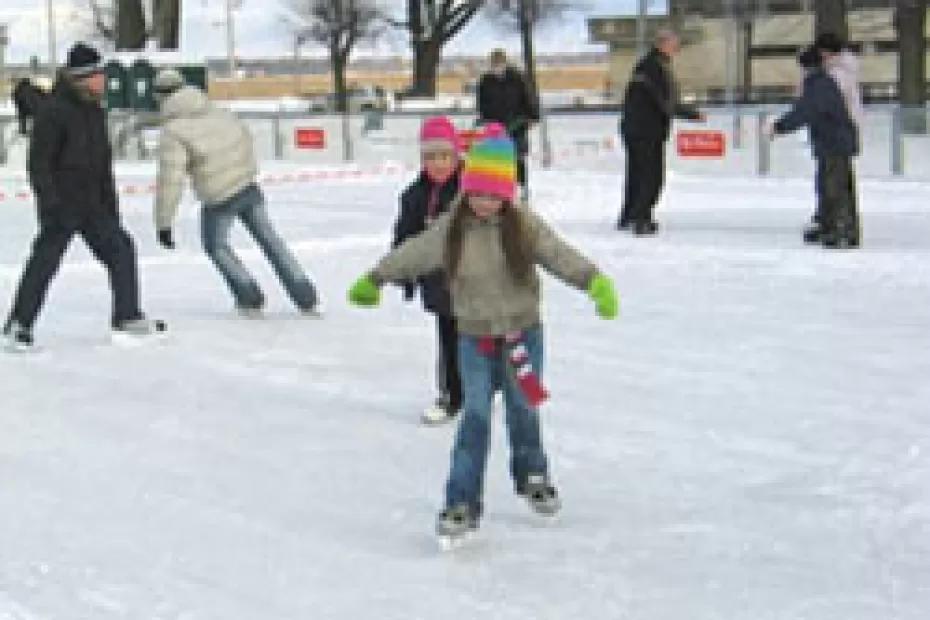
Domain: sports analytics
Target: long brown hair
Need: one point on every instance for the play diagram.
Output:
(514, 240)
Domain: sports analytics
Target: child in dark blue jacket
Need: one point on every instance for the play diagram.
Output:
(835, 138)
(421, 204)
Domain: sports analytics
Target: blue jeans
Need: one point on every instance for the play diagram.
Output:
(249, 207)
(482, 376)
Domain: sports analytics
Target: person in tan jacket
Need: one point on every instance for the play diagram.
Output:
(215, 149)
(488, 247)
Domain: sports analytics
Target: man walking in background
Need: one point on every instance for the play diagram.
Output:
(503, 97)
(652, 100)
(216, 149)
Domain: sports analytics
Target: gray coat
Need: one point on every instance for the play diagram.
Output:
(486, 299)
(210, 144)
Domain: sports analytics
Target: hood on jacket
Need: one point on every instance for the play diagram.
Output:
(846, 64)
(185, 103)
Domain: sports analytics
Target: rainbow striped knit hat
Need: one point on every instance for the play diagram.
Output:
(491, 165)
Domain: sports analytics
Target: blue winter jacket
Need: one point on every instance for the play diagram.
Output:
(821, 107)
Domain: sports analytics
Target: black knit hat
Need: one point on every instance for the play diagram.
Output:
(809, 58)
(829, 42)
(83, 60)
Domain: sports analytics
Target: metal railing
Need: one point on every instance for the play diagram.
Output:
(895, 142)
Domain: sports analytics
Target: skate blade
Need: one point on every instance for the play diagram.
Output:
(137, 341)
(449, 543)
(316, 314)
(19, 349)
(429, 418)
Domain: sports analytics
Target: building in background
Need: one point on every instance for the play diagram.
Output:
(745, 50)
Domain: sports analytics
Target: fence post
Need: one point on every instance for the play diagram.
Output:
(897, 155)
(276, 135)
(764, 163)
(737, 128)
(3, 145)
(546, 144)
(346, 137)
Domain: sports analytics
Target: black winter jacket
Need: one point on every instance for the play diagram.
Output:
(413, 219)
(822, 108)
(508, 101)
(70, 161)
(652, 100)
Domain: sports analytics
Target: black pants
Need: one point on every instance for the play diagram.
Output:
(839, 212)
(450, 381)
(109, 243)
(645, 176)
(522, 178)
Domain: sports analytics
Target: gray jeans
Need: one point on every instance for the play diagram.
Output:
(248, 206)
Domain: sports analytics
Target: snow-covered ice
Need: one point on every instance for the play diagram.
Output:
(750, 441)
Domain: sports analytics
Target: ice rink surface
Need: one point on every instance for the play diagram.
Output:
(750, 441)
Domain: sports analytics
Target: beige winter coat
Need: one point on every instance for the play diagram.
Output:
(210, 144)
(486, 299)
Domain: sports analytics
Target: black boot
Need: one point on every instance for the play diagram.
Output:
(645, 228)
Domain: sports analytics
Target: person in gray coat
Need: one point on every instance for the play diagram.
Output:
(216, 149)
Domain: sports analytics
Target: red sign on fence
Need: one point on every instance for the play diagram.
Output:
(307, 138)
(701, 143)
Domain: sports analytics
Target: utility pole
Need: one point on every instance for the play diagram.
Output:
(642, 16)
(230, 38)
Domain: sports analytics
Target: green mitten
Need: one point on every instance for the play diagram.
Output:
(365, 293)
(602, 291)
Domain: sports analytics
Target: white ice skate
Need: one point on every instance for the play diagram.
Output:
(541, 496)
(252, 314)
(314, 313)
(17, 339)
(440, 412)
(138, 332)
(454, 526)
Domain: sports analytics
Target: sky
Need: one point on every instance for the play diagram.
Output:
(262, 30)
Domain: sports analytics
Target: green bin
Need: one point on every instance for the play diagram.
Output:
(141, 79)
(195, 75)
(116, 97)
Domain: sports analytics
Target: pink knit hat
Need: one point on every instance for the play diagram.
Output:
(437, 133)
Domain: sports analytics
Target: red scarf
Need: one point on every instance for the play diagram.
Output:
(518, 359)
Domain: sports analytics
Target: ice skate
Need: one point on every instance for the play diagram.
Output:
(136, 332)
(440, 412)
(455, 525)
(541, 496)
(17, 339)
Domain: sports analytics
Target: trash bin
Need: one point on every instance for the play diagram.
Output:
(141, 79)
(116, 96)
(195, 75)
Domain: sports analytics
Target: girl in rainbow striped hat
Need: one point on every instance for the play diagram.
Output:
(488, 246)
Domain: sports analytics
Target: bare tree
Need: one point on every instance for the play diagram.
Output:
(432, 24)
(167, 23)
(131, 32)
(910, 23)
(123, 23)
(338, 25)
(103, 20)
(523, 16)
(830, 16)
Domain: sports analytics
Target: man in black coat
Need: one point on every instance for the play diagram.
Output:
(503, 97)
(652, 100)
(835, 139)
(70, 169)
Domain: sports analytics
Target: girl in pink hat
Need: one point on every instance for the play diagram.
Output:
(421, 204)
